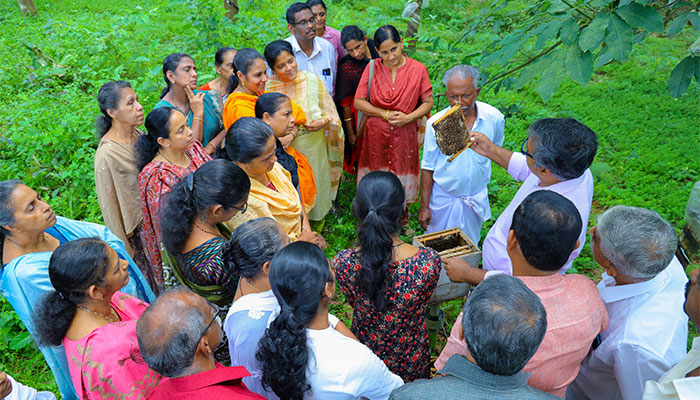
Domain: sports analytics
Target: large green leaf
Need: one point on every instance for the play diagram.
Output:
(568, 31)
(604, 57)
(552, 75)
(594, 34)
(681, 75)
(548, 33)
(527, 74)
(579, 65)
(619, 39)
(640, 16)
(677, 25)
(694, 18)
(624, 3)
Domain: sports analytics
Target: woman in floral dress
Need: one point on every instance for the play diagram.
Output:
(386, 281)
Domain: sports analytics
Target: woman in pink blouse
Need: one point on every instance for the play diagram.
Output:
(164, 156)
(95, 322)
(318, 7)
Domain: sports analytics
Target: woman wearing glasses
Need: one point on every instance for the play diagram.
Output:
(96, 323)
(190, 215)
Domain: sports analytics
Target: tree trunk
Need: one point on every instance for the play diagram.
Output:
(27, 7)
(413, 23)
(231, 7)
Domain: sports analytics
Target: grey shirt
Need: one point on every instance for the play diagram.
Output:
(465, 380)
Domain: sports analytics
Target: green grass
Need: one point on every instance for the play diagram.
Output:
(54, 64)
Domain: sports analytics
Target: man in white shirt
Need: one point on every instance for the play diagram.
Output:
(313, 54)
(642, 289)
(682, 381)
(454, 193)
(555, 156)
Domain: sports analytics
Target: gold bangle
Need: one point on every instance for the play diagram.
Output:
(347, 119)
(200, 120)
(386, 115)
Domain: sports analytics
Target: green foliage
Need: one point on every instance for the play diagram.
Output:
(576, 37)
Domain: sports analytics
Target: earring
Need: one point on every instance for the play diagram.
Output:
(243, 83)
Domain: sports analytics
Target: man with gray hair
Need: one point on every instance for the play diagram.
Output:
(503, 325)
(555, 156)
(177, 335)
(454, 193)
(643, 290)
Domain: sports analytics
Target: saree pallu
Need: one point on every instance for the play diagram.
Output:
(211, 120)
(282, 205)
(156, 179)
(323, 148)
(107, 363)
(241, 105)
(386, 147)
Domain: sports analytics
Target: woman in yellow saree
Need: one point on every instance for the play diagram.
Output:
(250, 143)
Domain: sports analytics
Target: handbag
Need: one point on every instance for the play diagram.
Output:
(362, 118)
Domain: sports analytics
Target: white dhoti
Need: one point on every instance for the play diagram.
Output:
(464, 212)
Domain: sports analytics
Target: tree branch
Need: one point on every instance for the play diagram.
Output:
(577, 10)
(528, 62)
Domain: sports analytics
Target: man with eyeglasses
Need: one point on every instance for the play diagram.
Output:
(177, 335)
(555, 156)
(313, 54)
(454, 193)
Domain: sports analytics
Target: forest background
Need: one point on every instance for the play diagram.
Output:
(53, 64)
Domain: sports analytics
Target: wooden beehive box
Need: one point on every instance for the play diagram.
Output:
(450, 243)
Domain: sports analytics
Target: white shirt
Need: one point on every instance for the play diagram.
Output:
(322, 61)
(647, 335)
(673, 384)
(244, 325)
(469, 172)
(343, 368)
(23, 392)
(579, 191)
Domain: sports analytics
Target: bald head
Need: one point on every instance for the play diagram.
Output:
(169, 329)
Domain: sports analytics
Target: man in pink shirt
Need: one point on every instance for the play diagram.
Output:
(555, 156)
(543, 234)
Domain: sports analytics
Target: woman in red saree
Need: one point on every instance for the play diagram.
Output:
(400, 96)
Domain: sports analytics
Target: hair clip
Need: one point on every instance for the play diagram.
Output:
(190, 181)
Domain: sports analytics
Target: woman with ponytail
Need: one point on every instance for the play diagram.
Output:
(307, 353)
(202, 109)
(95, 322)
(276, 110)
(29, 234)
(190, 215)
(386, 281)
(248, 255)
(116, 176)
(164, 156)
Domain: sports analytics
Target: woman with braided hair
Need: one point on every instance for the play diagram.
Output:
(307, 353)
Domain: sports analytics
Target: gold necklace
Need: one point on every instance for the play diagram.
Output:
(109, 318)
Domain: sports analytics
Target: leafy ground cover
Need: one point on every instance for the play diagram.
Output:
(54, 64)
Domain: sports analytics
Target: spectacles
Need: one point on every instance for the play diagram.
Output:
(463, 97)
(241, 209)
(523, 148)
(310, 21)
(216, 317)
